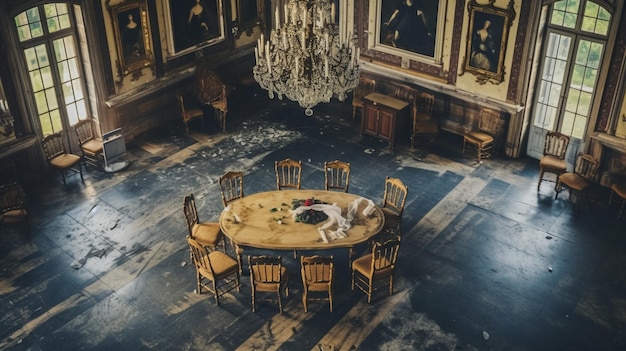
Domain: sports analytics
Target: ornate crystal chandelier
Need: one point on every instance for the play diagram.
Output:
(307, 59)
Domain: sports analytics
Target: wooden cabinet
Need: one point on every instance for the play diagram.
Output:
(384, 117)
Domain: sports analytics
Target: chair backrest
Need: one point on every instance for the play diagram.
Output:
(365, 86)
(84, 131)
(317, 269)
(586, 166)
(336, 175)
(191, 213)
(288, 174)
(384, 255)
(53, 145)
(556, 145)
(265, 269)
(231, 186)
(395, 195)
(200, 256)
(424, 105)
(12, 197)
(489, 121)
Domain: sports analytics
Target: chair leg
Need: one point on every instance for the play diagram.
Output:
(540, 178)
(304, 294)
(217, 295)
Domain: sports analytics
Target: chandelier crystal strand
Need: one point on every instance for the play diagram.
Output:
(306, 58)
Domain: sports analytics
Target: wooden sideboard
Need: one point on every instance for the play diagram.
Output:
(384, 117)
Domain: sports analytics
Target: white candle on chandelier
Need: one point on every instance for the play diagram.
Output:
(276, 18)
(332, 13)
(297, 67)
(286, 14)
(326, 67)
(256, 55)
(326, 40)
(304, 14)
(285, 40)
(303, 41)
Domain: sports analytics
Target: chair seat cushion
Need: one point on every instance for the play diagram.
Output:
(219, 105)
(553, 164)
(92, 146)
(363, 265)
(478, 137)
(619, 189)
(426, 127)
(574, 181)
(13, 216)
(222, 265)
(206, 233)
(391, 217)
(65, 161)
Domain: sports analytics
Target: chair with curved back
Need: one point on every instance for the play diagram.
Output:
(376, 269)
(189, 112)
(579, 179)
(221, 270)
(336, 175)
(365, 86)
(619, 189)
(553, 160)
(425, 125)
(90, 145)
(288, 174)
(394, 199)
(268, 276)
(317, 277)
(231, 186)
(58, 158)
(207, 234)
(13, 207)
(483, 139)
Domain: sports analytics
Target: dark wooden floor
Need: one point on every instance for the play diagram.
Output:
(486, 263)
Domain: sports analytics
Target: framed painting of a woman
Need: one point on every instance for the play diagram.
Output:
(132, 30)
(487, 37)
(194, 24)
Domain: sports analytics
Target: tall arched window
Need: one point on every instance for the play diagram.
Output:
(48, 42)
(574, 45)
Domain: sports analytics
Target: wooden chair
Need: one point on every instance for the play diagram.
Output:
(578, 181)
(13, 207)
(220, 105)
(424, 123)
(219, 269)
(317, 277)
(288, 174)
(58, 158)
(483, 138)
(189, 112)
(207, 234)
(620, 190)
(90, 145)
(336, 175)
(553, 160)
(231, 186)
(375, 270)
(268, 275)
(394, 199)
(365, 86)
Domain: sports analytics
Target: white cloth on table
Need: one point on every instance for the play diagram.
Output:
(335, 218)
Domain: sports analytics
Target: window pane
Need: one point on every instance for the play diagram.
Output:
(55, 117)
(41, 103)
(51, 98)
(35, 80)
(46, 77)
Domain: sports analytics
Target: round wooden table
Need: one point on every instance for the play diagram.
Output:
(263, 221)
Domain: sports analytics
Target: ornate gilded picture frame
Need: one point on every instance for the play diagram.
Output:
(486, 41)
(133, 37)
(194, 24)
(248, 15)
